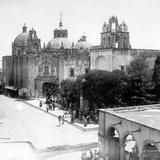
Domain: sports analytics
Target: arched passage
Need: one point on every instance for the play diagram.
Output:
(150, 152)
(130, 148)
(113, 144)
(102, 63)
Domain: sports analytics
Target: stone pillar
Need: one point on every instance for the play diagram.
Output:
(122, 151)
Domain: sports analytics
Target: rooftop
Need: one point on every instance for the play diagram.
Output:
(148, 115)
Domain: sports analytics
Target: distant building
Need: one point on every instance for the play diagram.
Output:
(34, 67)
(7, 66)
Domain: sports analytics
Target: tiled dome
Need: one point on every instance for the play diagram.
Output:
(82, 43)
(57, 43)
(22, 38)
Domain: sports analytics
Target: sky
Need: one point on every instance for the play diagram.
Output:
(79, 16)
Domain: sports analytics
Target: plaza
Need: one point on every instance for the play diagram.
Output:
(22, 123)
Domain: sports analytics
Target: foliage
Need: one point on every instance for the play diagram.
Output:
(156, 78)
(70, 94)
(50, 89)
(156, 72)
(23, 93)
(103, 88)
(141, 85)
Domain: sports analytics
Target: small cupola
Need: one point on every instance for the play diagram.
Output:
(24, 28)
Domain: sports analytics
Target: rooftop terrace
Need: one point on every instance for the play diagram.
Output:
(148, 115)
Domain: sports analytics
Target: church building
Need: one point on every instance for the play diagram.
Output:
(33, 67)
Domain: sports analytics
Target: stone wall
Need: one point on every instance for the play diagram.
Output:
(142, 134)
(7, 64)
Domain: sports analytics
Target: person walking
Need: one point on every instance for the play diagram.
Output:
(84, 156)
(62, 119)
(59, 119)
(40, 104)
(91, 155)
(47, 107)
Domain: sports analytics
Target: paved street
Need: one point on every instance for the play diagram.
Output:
(23, 123)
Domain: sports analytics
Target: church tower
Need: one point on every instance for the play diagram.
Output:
(114, 35)
(60, 32)
(34, 44)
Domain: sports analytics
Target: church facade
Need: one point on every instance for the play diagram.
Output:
(32, 66)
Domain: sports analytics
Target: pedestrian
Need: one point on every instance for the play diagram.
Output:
(65, 114)
(40, 104)
(59, 119)
(95, 155)
(85, 121)
(62, 119)
(91, 155)
(84, 156)
(47, 107)
(53, 106)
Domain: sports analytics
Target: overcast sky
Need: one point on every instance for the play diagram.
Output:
(79, 16)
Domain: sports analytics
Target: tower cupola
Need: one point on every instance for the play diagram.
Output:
(24, 28)
(114, 35)
(60, 32)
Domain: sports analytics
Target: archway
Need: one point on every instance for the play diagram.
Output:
(150, 152)
(101, 63)
(113, 144)
(49, 89)
(130, 148)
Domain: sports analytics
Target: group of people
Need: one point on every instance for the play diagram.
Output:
(90, 155)
(50, 104)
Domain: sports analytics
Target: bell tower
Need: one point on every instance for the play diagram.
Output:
(34, 43)
(114, 35)
(60, 32)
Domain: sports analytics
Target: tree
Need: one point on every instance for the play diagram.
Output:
(156, 77)
(141, 85)
(70, 94)
(23, 93)
(103, 88)
(50, 89)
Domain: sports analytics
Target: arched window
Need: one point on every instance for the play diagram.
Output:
(19, 52)
(86, 70)
(109, 41)
(46, 70)
(72, 72)
(122, 68)
(113, 27)
(150, 152)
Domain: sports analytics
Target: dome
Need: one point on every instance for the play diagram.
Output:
(57, 43)
(82, 43)
(22, 38)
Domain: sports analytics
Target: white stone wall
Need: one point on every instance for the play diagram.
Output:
(113, 59)
(127, 127)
